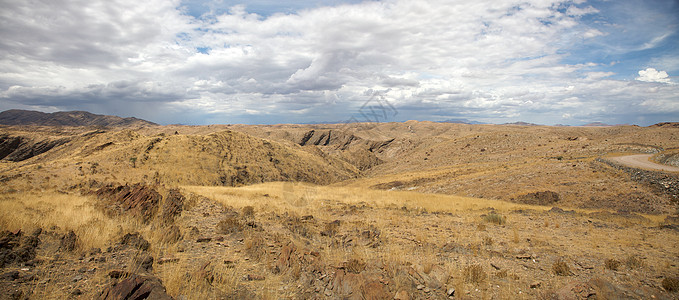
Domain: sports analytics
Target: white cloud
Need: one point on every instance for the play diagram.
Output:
(653, 75)
(488, 59)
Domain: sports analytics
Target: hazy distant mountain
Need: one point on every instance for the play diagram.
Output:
(522, 124)
(67, 118)
(461, 121)
(597, 124)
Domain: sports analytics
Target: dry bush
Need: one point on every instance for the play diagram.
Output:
(612, 264)
(495, 218)
(634, 262)
(255, 246)
(474, 274)
(560, 267)
(488, 241)
(671, 284)
(355, 265)
(229, 225)
(248, 211)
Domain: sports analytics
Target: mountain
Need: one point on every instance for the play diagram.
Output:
(462, 121)
(67, 118)
(521, 124)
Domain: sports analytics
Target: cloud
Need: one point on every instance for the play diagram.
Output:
(437, 59)
(653, 75)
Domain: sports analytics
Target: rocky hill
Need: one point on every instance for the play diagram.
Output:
(67, 118)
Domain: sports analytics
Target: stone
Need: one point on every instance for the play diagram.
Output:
(420, 286)
(451, 292)
(535, 284)
(136, 287)
(69, 241)
(135, 240)
(402, 295)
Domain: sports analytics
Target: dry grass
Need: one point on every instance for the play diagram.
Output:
(63, 212)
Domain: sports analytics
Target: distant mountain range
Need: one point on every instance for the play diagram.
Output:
(67, 118)
(462, 121)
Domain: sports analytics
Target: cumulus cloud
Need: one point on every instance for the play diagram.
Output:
(489, 60)
(653, 75)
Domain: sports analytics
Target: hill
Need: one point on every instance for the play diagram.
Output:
(412, 210)
(67, 118)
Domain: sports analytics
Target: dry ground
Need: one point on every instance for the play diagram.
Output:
(411, 210)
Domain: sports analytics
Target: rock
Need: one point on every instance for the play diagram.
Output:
(77, 278)
(10, 276)
(374, 290)
(118, 274)
(172, 206)
(135, 240)
(450, 292)
(136, 287)
(204, 240)
(535, 284)
(138, 200)
(252, 277)
(402, 295)
(145, 261)
(420, 286)
(76, 292)
(69, 242)
(165, 260)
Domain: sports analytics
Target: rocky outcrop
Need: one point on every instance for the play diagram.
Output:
(663, 183)
(138, 200)
(18, 148)
(15, 247)
(136, 287)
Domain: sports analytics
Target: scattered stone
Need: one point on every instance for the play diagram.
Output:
(252, 277)
(145, 261)
(535, 284)
(165, 260)
(69, 242)
(77, 278)
(204, 240)
(135, 240)
(76, 292)
(136, 287)
(451, 292)
(10, 276)
(420, 286)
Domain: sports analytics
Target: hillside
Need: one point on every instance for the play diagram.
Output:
(413, 210)
(67, 118)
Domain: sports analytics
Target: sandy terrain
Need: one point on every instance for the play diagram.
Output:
(642, 161)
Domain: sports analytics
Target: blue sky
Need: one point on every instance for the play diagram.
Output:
(205, 62)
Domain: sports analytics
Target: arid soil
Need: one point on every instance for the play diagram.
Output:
(413, 210)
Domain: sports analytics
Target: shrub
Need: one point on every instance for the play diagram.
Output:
(561, 268)
(248, 212)
(474, 274)
(671, 284)
(229, 225)
(495, 218)
(634, 262)
(612, 264)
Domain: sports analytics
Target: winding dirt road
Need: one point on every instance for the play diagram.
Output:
(643, 161)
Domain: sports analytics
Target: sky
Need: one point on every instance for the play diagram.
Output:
(200, 62)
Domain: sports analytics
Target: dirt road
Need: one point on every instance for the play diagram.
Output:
(642, 161)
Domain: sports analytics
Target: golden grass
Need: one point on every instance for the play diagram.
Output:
(302, 197)
(64, 212)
